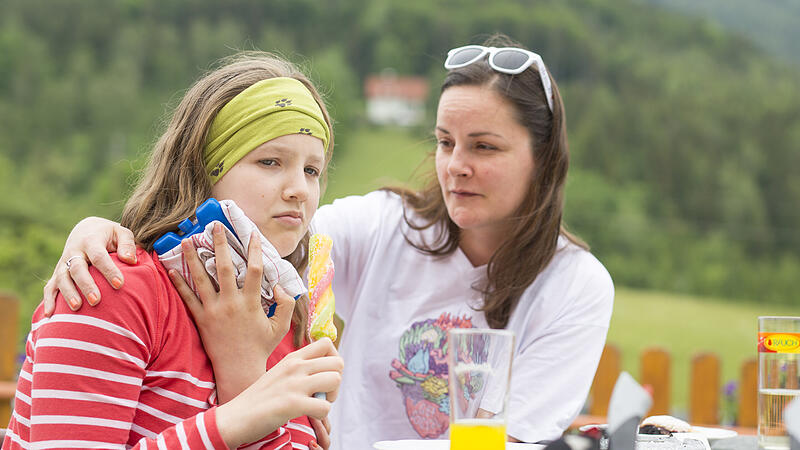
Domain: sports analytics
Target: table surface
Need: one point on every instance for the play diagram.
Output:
(736, 443)
(440, 444)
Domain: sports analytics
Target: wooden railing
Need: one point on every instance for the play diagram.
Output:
(704, 388)
(9, 305)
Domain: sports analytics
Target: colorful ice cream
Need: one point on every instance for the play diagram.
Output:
(320, 293)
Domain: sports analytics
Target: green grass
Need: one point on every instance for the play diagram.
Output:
(685, 326)
(375, 157)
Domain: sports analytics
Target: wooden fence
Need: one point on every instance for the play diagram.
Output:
(704, 388)
(9, 305)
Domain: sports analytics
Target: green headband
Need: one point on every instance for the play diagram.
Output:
(264, 111)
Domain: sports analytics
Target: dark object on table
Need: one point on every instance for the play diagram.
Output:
(653, 429)
(574, 442)
(624, 437)
(629, 403)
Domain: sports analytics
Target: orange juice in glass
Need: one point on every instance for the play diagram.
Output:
(478, 434)
(479, 376)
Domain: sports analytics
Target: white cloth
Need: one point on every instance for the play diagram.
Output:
(276, 269)
(397, 304)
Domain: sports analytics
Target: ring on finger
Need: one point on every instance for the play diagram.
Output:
(68, 263)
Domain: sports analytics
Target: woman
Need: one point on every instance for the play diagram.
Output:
(134, 371)
(482, 246)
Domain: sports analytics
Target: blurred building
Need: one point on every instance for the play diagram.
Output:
(395, 100)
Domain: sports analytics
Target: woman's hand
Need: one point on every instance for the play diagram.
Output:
(89, 242)
(285, 392)
(237, 335)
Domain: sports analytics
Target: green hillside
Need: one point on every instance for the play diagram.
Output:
(773, 24)
(683, 136)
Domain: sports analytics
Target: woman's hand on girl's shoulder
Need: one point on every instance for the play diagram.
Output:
(89, 243)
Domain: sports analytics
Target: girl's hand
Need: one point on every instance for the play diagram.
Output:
(283, 393)
(89, 243)
(237, 335)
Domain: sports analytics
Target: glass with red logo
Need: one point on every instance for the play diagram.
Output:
(778, 377)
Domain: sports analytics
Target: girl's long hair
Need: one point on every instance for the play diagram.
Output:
(536, 225)
(174, 182)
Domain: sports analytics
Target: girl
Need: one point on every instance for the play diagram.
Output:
(134, 371)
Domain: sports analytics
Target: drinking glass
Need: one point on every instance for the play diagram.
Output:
(778, 377)
(479, 375)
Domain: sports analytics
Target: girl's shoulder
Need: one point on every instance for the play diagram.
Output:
(132, 316)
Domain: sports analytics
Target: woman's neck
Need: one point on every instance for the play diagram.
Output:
(479, 245)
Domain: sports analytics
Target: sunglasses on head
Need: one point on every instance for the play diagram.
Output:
(508, 60)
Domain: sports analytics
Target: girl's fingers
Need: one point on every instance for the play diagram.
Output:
(200, 278)
(283, 311)
(325, 364)
(327, 382)
(187, 294)
(317, 349)
(255, 268)
(313, 407)
(226, 275)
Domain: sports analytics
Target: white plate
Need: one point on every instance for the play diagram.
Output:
(428, 444)
(713, 434)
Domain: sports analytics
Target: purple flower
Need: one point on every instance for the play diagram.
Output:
(730, 388)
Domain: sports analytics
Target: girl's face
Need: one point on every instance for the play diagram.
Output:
(484, 158)
(277, 187)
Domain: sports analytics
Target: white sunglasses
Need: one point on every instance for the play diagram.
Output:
(510, 60)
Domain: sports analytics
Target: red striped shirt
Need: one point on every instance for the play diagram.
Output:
(130, 372)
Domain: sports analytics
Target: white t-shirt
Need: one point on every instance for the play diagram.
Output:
(398, 302)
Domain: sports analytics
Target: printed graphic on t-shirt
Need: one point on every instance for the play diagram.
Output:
(421, 373)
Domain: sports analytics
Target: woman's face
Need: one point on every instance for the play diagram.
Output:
(484, 158)
(277, 187)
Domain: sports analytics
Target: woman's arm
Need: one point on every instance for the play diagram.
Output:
(90, 241)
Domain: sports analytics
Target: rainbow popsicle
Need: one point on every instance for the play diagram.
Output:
(320, 293)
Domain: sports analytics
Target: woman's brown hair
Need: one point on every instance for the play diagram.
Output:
(174, 182)
(536, 225)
